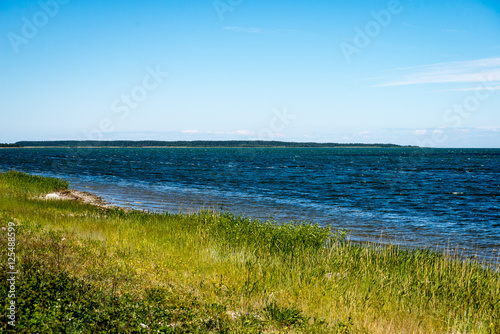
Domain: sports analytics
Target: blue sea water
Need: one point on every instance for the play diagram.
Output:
(411, 196)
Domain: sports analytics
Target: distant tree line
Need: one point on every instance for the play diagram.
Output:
(9, 145)
(196, 143)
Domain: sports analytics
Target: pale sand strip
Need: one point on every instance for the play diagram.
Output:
(76, 195)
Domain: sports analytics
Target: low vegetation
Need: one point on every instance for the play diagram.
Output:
(84, 269)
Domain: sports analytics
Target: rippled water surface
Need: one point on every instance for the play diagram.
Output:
(418, 197)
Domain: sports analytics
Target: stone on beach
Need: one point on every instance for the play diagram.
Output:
(75, 195)
(53, 196)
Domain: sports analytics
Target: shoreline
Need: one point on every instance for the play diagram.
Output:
(455, 251)
(131, 201)
(178, 270)
(79, 196)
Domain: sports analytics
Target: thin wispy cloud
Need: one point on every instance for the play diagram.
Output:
(485, 71)
(411, 25)
(455, 31)
(468, 89)
(489, 128)
(237, 132)
(248, 30)
(262, 31)
(420, 132)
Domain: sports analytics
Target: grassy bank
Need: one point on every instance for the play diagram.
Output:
(88, 269)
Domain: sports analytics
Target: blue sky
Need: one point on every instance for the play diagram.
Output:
(406, 72)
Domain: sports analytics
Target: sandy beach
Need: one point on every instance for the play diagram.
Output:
(79, 196)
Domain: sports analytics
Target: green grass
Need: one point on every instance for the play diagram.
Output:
(85, 269)
(21, 183)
